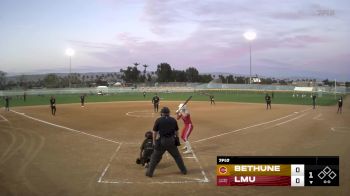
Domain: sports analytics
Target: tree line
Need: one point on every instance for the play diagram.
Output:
(53, 80)
(133, 74)
(164, 73)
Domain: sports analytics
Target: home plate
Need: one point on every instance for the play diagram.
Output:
(122, 169)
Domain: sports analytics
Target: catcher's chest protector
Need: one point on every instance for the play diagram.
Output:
(148, 144)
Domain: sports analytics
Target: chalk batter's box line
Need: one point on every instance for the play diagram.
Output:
(113, 157)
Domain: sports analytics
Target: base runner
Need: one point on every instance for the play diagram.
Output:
(184, 114)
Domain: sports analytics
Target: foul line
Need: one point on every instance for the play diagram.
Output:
(4, 119)
(290, 120)
(318, 117)
(252, 126)
(67, 128)
(340, 129)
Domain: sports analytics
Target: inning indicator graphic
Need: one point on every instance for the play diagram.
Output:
(295, 171)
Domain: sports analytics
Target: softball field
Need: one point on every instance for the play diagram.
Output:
(91, 150)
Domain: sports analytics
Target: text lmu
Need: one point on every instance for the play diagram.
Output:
(244, 178)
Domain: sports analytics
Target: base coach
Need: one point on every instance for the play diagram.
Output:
(166, 129)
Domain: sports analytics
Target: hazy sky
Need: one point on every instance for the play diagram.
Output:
(294, 37)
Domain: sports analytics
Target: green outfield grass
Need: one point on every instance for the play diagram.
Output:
(220, 96)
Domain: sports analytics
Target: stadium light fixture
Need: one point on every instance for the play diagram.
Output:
(70, 52)
(250, 36)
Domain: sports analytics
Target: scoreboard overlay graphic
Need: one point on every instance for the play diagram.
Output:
(295, 171)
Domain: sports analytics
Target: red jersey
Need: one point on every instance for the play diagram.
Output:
(186, 119)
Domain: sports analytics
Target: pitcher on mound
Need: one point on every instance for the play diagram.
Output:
(184, 114)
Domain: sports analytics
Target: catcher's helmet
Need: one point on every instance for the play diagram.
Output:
(149, 135)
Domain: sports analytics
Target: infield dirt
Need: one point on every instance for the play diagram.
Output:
(91, 150)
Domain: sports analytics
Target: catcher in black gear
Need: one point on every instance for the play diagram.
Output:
(146, 150)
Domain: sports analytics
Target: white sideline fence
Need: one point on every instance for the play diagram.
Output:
(189, 87)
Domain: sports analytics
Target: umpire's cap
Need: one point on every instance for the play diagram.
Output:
(165, 110)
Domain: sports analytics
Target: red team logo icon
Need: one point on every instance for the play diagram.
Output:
(223, 170)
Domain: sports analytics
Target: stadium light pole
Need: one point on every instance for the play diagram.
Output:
(70, 52)
(250, 36)
(335, 88)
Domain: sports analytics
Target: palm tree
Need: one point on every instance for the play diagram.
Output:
(145, 70)
(136, 64)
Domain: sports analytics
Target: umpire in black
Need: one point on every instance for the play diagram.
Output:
(166, 129)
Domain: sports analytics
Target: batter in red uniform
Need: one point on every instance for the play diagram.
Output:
(184, 114)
